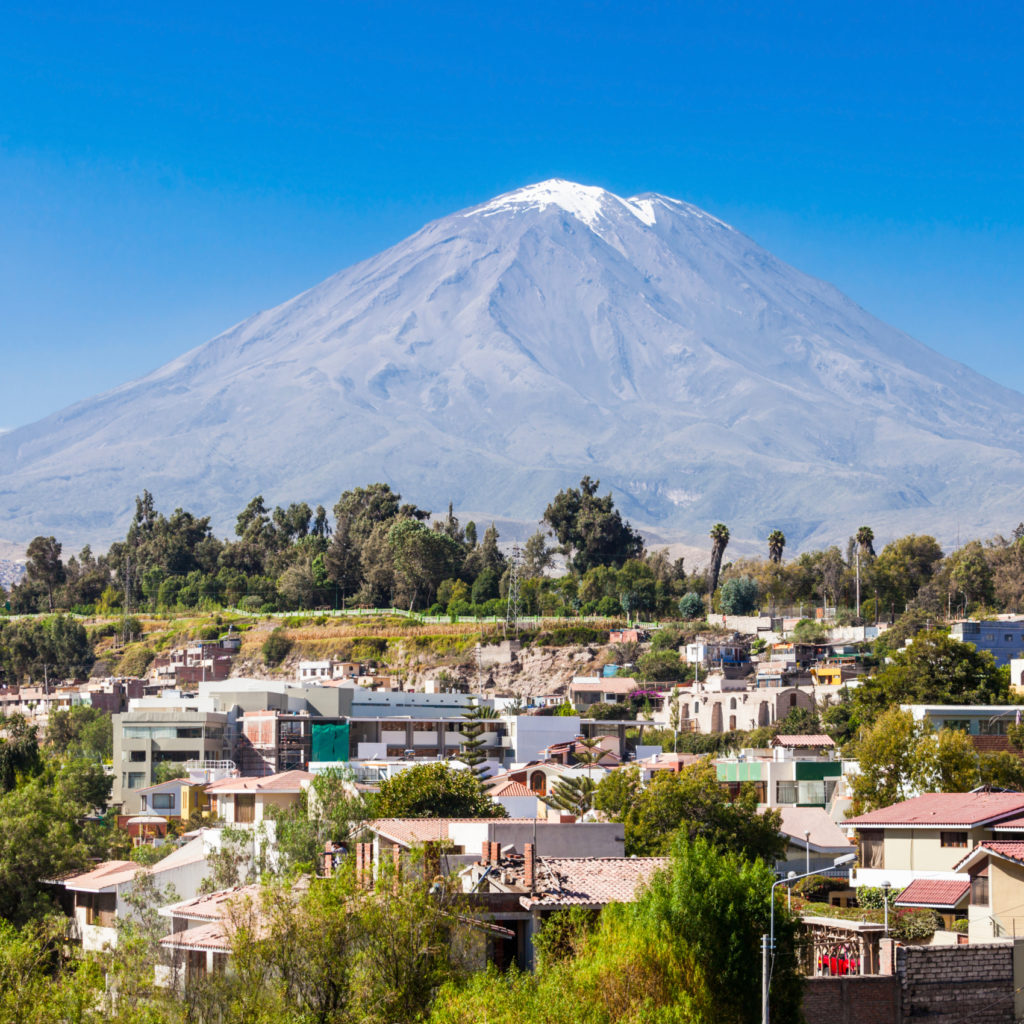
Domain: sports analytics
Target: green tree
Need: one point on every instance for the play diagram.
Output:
(904, 566)
(934, 669)
(435, 790)
(81, 730)
(776, 544)
(590, 529)
(276, 647)
(617, 791)
(738, 596)
(692, 803)
(572, 794)
(691, 606)
(475, 725)
(659, 666)
(44, 565)
(899, 757)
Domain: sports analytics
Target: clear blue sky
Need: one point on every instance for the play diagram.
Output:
(166, 170)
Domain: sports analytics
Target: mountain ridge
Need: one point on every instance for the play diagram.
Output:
(499, 353)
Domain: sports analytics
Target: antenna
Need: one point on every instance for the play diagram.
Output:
(512, 608)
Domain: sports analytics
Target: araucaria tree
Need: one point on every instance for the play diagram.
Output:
(719, 541)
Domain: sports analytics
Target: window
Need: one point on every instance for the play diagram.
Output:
(792, 700)
(960, 724)
(138, 755)
(163, 801)
(192, 732)
(136, 780)
(785, 792)
(732, 723)
(732, 703)
(958, 839)
(979, 890)
(245, 808)
(872, 848)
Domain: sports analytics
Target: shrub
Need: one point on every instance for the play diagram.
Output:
(135, 661)
(276, 647)
(691, 606)
(914, 925)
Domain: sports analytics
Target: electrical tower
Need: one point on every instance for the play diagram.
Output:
(512, 609)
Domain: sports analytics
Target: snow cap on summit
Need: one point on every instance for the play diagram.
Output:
(585, 202)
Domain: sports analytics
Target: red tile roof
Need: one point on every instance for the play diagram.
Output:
(591, 881)
(510, 788)
(937, 809)
(1007, 850)
(805, 740)
(283, 782)
(1010, 825)
(932, 892)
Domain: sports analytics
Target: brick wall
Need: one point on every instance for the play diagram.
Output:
(950, 983)
(860, 1000)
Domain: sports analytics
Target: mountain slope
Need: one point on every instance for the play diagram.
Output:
(500, 353)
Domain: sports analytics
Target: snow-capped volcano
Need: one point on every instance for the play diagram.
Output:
(500, 353)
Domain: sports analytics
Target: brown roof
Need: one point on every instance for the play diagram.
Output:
(591, 881)
(937, 809)
(932, 892)
(283, 782)
(806, 740)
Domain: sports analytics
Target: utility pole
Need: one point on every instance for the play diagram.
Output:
(858, 582)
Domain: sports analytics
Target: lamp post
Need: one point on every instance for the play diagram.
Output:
(886, 886)
(768, 941)
(807, 851)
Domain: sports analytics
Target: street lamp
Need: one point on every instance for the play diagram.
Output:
(807, 851)
(768, 941)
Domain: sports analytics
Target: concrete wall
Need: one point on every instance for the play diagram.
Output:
(553, 840)
(920, 849)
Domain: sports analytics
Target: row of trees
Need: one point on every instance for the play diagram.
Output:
(380, 551)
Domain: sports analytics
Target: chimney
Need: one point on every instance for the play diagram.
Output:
(485, 853)
(495, 853)
(529, 872)
(328, 859)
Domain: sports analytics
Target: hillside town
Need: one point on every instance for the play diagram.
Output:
(522, 777)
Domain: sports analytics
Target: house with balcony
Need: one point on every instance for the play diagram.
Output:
(929, 836)
(99, 897)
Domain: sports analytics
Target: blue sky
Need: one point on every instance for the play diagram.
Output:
(167, 170)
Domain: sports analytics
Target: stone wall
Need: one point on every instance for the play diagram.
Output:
(952, 983)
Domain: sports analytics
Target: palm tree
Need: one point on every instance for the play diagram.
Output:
(719, 541)
(865, 549)
(776, 542)
(865, 539)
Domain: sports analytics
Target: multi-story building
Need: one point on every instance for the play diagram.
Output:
(148, 737)
(1003, 640)
(798, 771)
